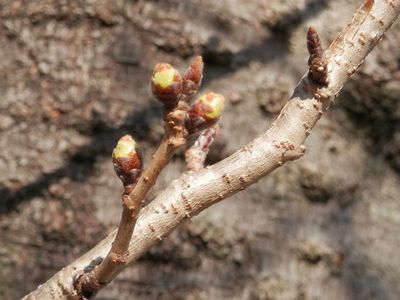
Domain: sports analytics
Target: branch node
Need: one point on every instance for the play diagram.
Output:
(300, 105)
(243, 179)
(126, 200)
(174, 210)
(187, 205)
(164, 208)
(227, 178)
(151, 227)
(119, 259)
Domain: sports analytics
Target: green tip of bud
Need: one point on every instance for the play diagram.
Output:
(215, 104)
(166, 85)
(127, 161)
(205, 112)
(126, 146)
(165, 75)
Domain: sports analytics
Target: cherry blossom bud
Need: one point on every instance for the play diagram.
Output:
(205, 112)
(318, 65)
(194, 75)
(127, 161)
(166, 85)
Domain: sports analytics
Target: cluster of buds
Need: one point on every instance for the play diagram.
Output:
(169, 87)
(127, 161)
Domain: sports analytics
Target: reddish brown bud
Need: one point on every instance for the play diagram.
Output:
(194, 75)
(317, 63)
(166, 85)
(205, 112)
(313, 43)
(127, 161)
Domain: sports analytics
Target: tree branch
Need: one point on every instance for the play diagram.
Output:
(192, 193)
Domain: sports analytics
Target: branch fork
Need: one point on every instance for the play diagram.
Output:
(175, 93)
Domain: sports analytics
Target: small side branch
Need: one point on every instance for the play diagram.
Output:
(175, 136)
(197, 154)
(174, 92)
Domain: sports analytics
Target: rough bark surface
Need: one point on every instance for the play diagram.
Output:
(325, 226)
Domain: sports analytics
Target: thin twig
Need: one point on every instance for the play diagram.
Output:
(166, 85)
(175, 136)
(196, 155)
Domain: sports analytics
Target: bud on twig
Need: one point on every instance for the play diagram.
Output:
(166, 85)
(318, 65)
(192, 78)
(205, 112)
(127, 161)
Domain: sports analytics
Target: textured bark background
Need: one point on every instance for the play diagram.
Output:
(74, 79)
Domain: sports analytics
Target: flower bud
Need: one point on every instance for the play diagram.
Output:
(194, 75)
(166, 85)
(205, 112)
(127, 161)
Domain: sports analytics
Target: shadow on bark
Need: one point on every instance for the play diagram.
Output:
(79, 166)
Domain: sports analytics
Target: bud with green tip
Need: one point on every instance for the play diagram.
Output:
(205, 112)
(127, 161)
(166, 85)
